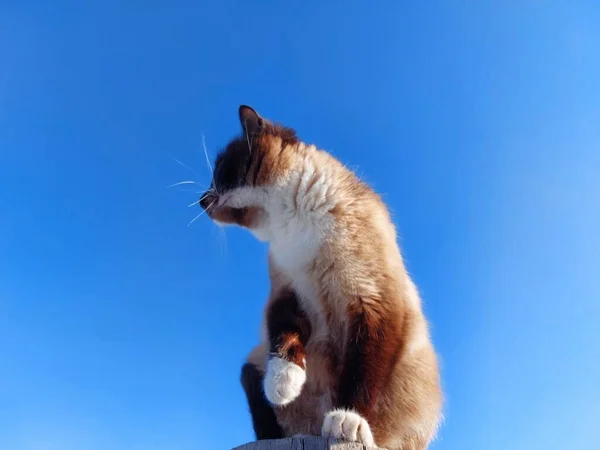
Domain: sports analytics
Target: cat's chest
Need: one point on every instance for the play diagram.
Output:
(306, 291)
(298, 273)
(294, 249)
(294, 244)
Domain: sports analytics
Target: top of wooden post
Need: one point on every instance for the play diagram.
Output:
(303, 443)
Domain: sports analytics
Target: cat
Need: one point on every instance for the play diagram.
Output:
(345, 351)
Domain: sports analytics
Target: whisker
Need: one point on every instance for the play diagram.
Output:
(182, 182)
(212, 175)
(204, 194)
(187, 167)
(196, 218)
(191, 191)
(206, 155)
(208, 190)
(223, 241)
(199, 215)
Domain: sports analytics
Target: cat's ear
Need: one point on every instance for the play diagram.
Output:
(251, 122)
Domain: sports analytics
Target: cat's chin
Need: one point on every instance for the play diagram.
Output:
(222, 224)
(259, 234)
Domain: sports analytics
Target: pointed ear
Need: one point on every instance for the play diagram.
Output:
(251, 122)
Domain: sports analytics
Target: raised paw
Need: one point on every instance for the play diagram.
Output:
(347, 426)
(283, 381)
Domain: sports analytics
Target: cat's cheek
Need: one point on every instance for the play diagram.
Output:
(222, 216)
(249, 217)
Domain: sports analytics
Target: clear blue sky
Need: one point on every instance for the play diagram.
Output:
(121, 328)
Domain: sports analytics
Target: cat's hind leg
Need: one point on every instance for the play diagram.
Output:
(264, 420)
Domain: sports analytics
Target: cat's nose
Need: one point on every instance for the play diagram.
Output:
(207, 200)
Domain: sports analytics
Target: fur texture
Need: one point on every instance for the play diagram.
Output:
(346, 350)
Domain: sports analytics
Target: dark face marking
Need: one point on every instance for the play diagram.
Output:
(231, 166)
(233, 163)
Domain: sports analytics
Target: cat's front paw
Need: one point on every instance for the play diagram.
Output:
(283, 381)
(347, 426)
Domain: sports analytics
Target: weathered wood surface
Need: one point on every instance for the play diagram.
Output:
(303, 443)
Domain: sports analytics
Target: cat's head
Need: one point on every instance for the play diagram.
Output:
(250, 172)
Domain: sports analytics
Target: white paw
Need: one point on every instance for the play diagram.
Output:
(347, 426)
(283, 381)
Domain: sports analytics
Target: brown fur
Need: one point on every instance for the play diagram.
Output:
(362, 335)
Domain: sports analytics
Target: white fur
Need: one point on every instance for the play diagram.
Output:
(283, 381)
(348, 426)
(296, 222)
(297, 219)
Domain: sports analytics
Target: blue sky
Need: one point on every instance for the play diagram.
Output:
(122, 328)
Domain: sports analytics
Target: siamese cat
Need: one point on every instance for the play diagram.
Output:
(346, 351)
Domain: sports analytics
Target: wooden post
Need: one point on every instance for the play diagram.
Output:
(303, 443)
